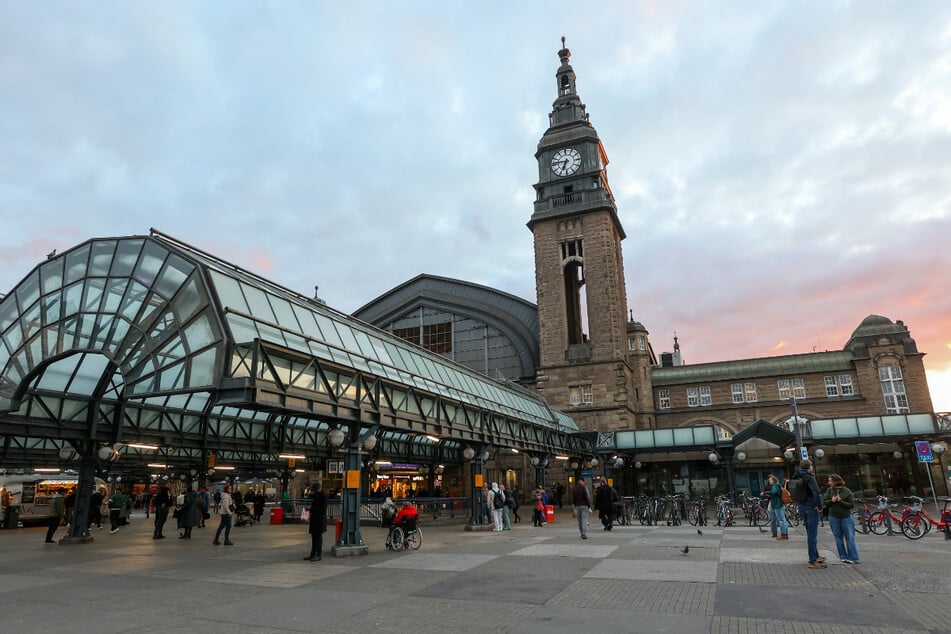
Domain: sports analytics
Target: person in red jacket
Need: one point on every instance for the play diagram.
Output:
(407, 514)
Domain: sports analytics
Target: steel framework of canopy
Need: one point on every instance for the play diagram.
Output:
(145, 339)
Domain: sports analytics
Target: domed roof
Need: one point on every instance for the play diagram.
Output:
(875, 325)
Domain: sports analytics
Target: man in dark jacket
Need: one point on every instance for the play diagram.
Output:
(604, 502)
(318, 522)
(163, 500)
(810, 511)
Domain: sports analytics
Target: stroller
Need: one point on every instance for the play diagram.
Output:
(243, 515)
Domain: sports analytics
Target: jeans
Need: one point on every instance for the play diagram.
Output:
(810, 519)
(506, 520)
(226, 525)
(843, 529)
(582, 512)
(778, 516)
(52, 524)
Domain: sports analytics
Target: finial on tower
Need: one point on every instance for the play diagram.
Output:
(562, 41)
(630, 312)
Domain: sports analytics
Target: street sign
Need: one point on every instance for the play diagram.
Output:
(923, 447)
(804, 453)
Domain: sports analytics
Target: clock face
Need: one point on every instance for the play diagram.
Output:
(565, 161)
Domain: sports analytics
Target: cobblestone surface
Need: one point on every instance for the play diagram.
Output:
(735, 625)
(642, 596)
(791, 574)
(523, 581)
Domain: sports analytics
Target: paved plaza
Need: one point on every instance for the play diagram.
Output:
(632, 579)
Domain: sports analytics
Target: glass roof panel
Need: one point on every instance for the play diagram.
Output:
(284, 313)
(101, 258)
(153, 256)
(258, 304)
(76, 263)
(51, 276)
(127, 254)
(172, 276)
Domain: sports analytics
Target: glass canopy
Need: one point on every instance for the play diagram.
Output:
(156, 338)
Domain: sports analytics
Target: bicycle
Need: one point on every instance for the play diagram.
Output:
(406, 537)
(697, 513)
(724, 510)
(793, 518)
(881, 521)
(916, 523)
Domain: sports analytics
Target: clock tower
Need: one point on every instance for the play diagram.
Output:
(579, 272)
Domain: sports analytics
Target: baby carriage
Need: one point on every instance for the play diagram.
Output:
(243, 515)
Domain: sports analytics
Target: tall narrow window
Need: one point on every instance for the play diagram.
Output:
(784, 390)
(893, 387)
(832, 388)
(705, 397)
(693, 397)
(737, 390)
(663, 399)
(845, 383)
(579, 395)
(751, 392)
(572, 255)
(799, 388)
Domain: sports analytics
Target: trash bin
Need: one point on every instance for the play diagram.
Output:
(11, 516)
(338, 530)
(550, 513)
(277, 515)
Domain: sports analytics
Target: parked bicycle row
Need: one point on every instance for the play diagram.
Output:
(913, 521)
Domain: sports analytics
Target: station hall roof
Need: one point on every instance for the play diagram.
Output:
(149, 337)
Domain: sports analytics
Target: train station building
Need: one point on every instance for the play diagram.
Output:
(146, 356)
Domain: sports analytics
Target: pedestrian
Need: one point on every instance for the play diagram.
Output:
(95, 509)
(227, 509)
(840, 500)
(189, 514)
(387, 513)
(204, 503)
(116, 504)
(604, 502)
(581, 499)
(512, 502)
(70, 503)
(559, 494)
(506, 508)
(147, 503)
(317, 524)
(217, 500)
(538, 509)
(777, 511)
(163, 501)
(486, 511)
(810, 511)
(259, 500)
(496, 503)
(57, 513)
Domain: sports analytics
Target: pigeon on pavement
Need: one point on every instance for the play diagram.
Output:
(699, 532)
(686, 550)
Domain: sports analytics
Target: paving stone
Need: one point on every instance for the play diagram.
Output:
(932, 610)
(640, 596)
(434, 561)
(738, 625)
(596, 551)
(773, 555)
(835, 576)
(653, 570)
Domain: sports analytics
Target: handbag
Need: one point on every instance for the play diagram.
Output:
(305, 515)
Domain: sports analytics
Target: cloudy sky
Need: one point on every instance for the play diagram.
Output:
(782, 169)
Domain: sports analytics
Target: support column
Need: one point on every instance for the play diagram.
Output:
(476, 479)
(78, 532)
(351, 542)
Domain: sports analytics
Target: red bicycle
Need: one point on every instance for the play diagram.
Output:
(917, 522)
(881, 520)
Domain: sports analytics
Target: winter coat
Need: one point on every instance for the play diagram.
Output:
(318, 514)
(189, 513)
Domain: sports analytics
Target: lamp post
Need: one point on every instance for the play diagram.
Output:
(351, 541)
(795, 412)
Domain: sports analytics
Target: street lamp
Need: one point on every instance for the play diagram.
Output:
(369, 442)
(713, 457)
(741, 456)
(468, 453)
(819, 454)
(336, 437)
(619, 462)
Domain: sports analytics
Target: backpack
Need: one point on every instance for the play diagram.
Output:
(798, 490)
(498, 500)
(785, 495)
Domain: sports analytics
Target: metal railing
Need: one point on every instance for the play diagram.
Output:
(429, 508)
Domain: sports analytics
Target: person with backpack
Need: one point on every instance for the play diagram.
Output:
(777, 512)
(506, 506)
(496, 503)
(805, 492)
